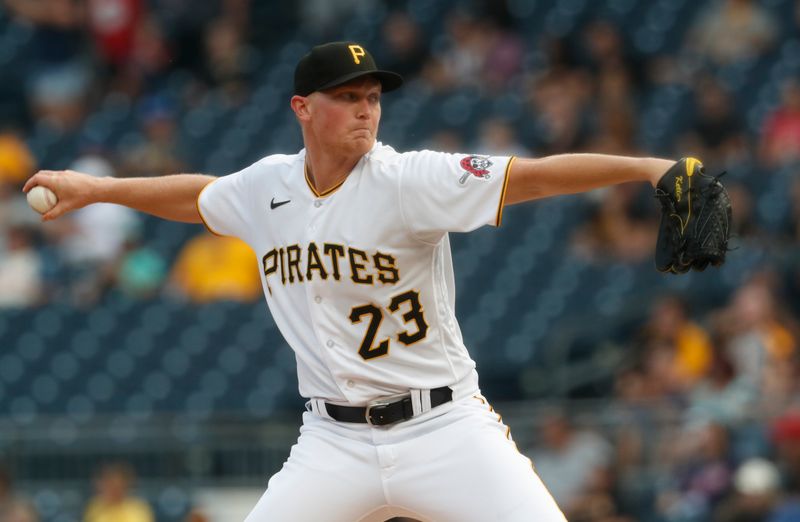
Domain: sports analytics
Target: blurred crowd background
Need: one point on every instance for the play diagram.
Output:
(135, 348)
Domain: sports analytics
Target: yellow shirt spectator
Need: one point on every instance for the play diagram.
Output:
(213, 267)
(693, 351)
(779, 341)
(127, 510)
(112, 501)
(16, 161)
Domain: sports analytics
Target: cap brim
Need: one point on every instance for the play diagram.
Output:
(389, 80)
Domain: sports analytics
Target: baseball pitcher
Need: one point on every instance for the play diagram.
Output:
(352, 244)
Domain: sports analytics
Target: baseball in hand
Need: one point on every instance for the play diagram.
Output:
(41, 199)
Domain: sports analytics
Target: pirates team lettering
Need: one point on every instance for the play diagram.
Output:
(295, 264)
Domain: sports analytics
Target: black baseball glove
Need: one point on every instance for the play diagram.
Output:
(695, 219)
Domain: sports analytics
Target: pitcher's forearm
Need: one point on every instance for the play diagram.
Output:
(571, 173)
(169, 197)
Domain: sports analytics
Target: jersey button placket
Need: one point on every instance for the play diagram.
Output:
(311, 228)
(314, 289)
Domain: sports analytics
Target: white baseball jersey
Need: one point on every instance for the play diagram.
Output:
(359, 279)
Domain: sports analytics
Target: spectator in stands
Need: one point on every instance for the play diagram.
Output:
(743, 223)
(559, 102)
(679, 348)
(780, 135)
(405, 49)
(788, 509)
(159, 152)
(459, 62)
(756, 488)
(721, 396)
(606, 53)
(568, 459)
(113, 25)
(636, 437)
(13, 507)
(715, 130)
(95, 236)
(216, 268)
(497, 136)
(196, 515)
(615, 121)
(616, 130)
(146, 70)
(701, 473)
(227, 63)
(14, 110)
(753, 25)
(21, 513)
(184, 22)
(128, 44)
(620, 229)
(20, 270)
(434, 75)
(446, 140)
(598, 502)
(16, 160)
(61, 74)
(786, 436)
(98, 236)
(761, 340)
(477, 54)
(635, 391)
(323, 18)
(559, 54)
(616, 77)
(140, 270)
(113, 501)
(503, 62)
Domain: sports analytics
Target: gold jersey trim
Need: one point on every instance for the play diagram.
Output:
(200, 212)
(311, 185)
(502, 203)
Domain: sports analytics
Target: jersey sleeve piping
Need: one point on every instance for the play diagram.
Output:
(502, 202)
(200, 212)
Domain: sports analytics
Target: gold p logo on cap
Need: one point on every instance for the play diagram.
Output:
(357, 51)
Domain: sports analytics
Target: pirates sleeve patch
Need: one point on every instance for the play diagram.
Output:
(475, 166)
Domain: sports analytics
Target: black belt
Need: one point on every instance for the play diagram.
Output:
(381, 413)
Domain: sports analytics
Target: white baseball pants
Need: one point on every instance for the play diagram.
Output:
(455, 463)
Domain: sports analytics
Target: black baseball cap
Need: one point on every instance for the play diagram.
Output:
(335, 63)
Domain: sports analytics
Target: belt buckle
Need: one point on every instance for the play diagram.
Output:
(382, 403)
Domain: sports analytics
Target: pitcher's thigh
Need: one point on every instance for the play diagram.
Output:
(493, 481)
(477, 476)
(321, 480)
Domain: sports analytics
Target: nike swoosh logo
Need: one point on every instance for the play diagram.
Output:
(274, 205)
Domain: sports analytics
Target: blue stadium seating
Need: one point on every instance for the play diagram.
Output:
(521, 294)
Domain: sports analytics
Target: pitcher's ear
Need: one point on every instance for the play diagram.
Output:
(300, 106)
